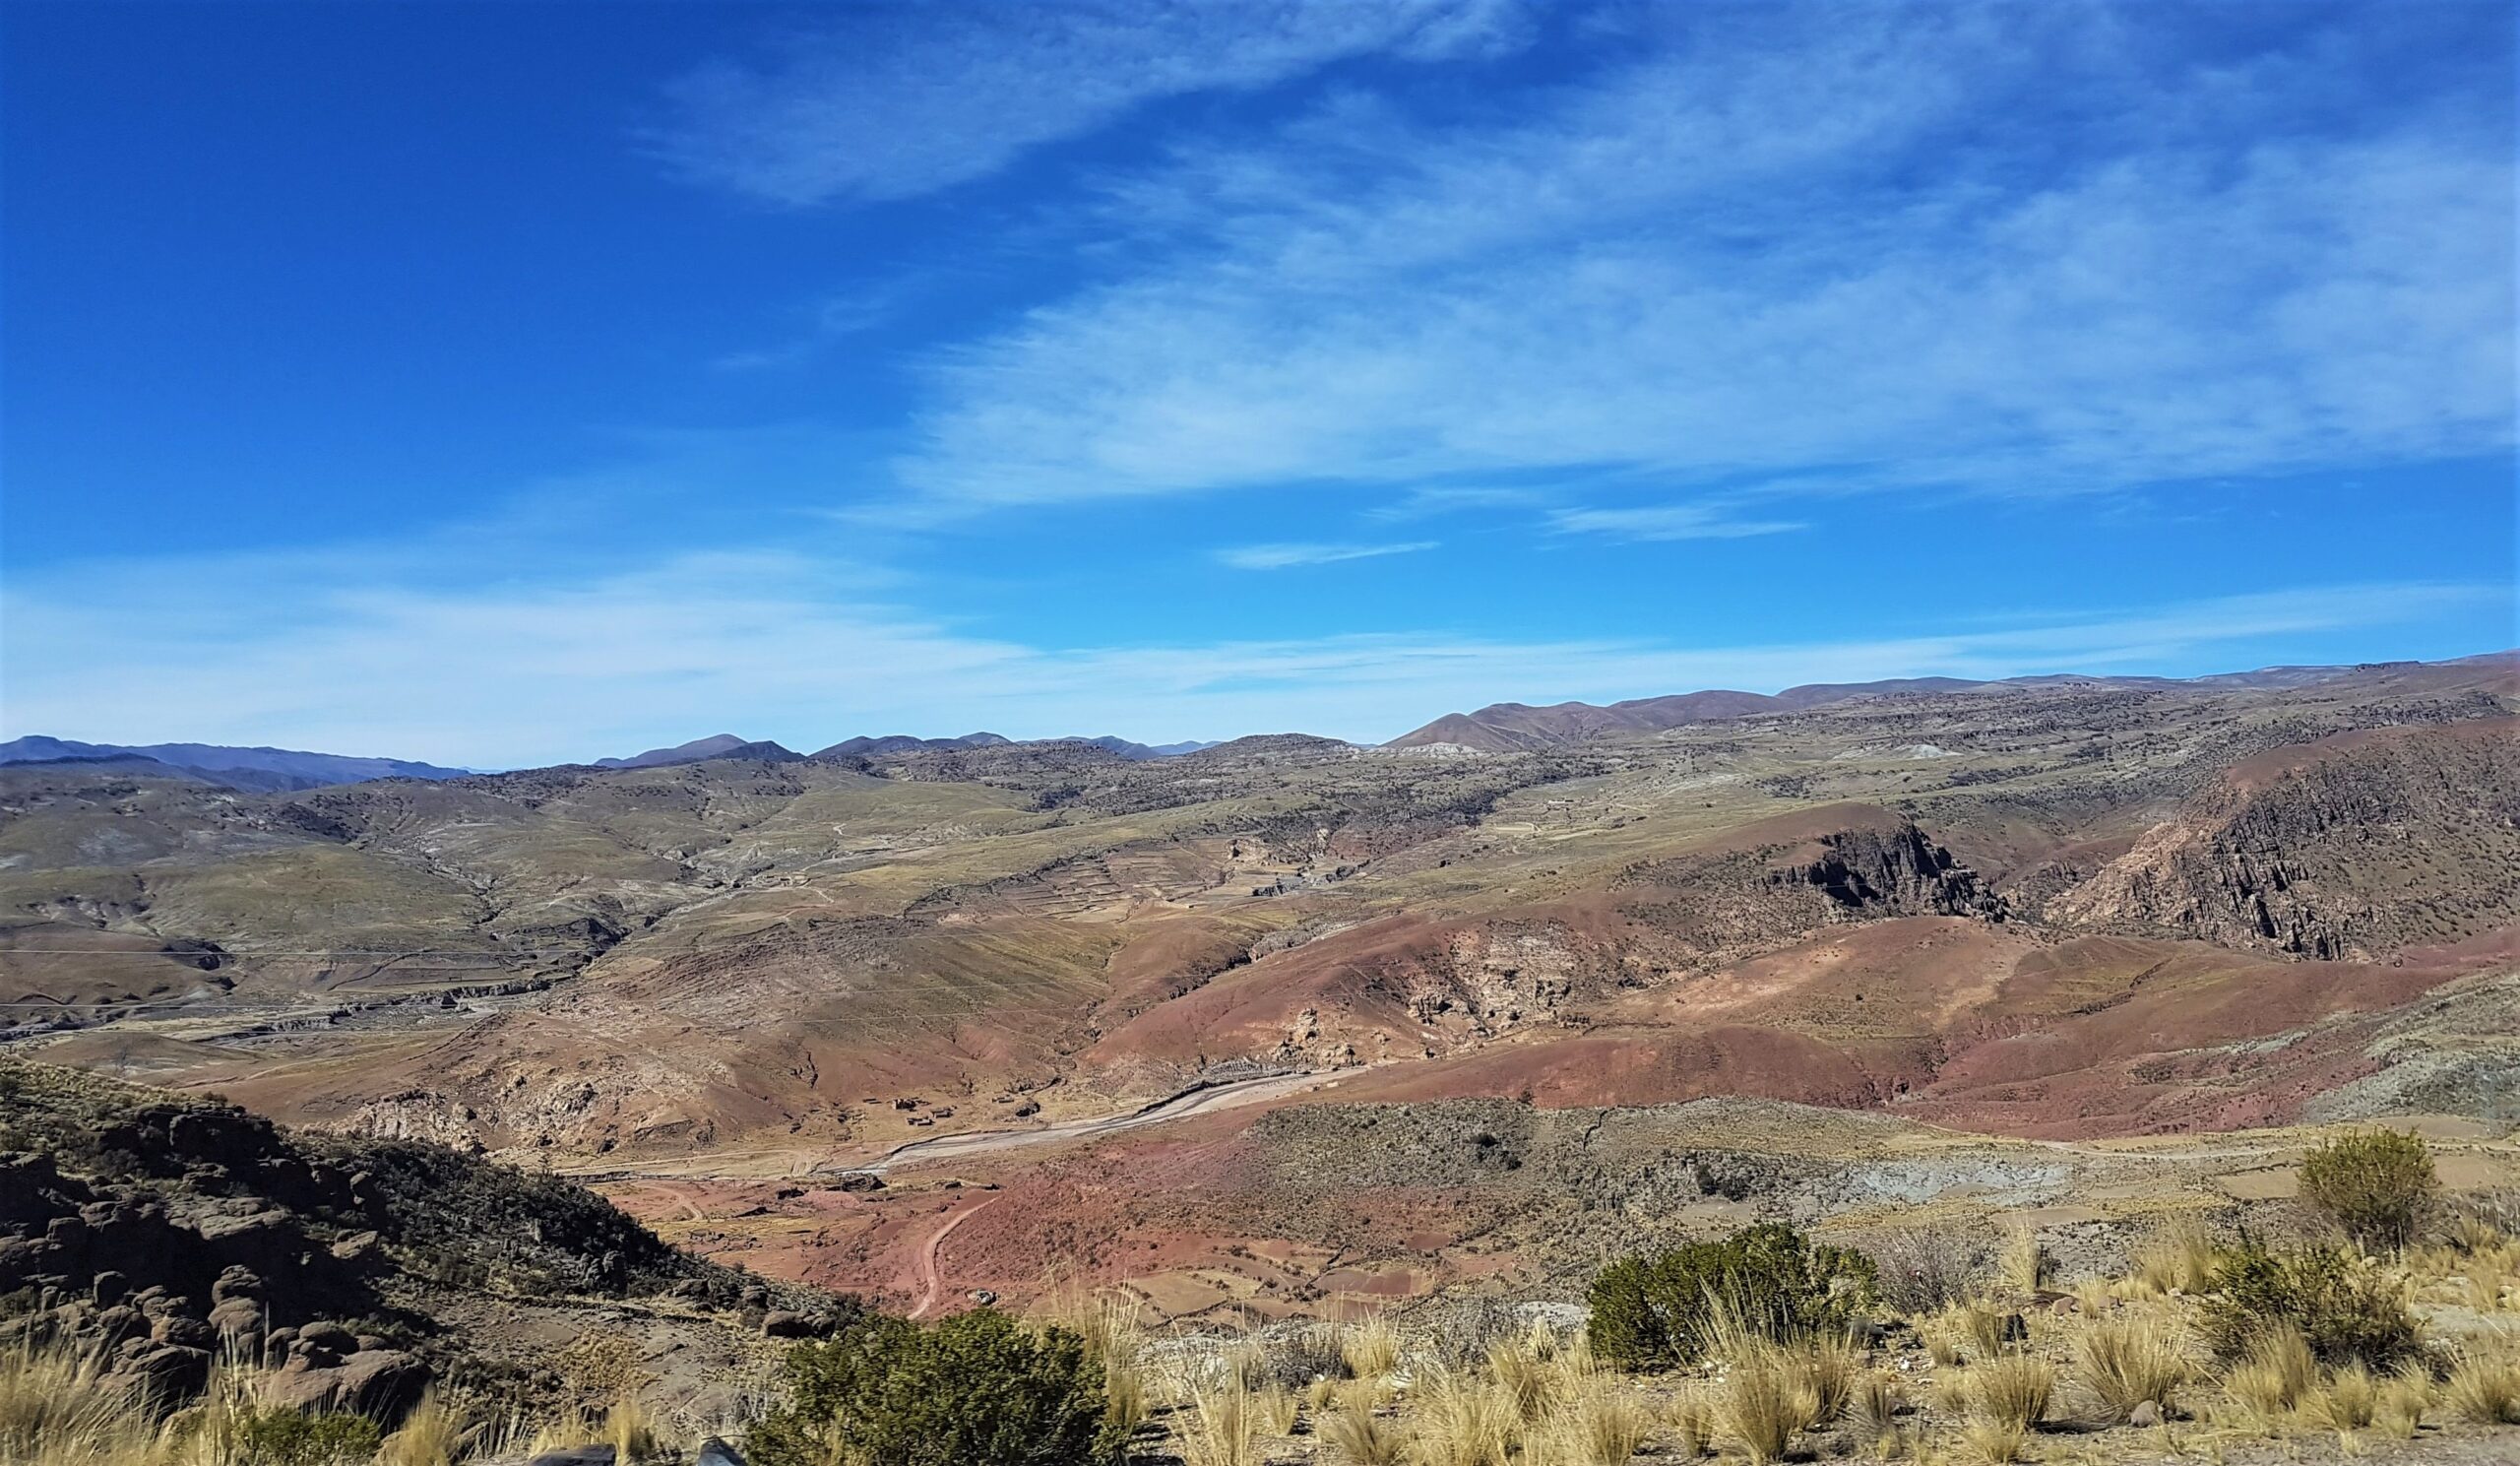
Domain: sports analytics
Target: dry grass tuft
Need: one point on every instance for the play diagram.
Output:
(1874, 1406)
(2484, 1389)
(2024, 1262)
(2131, 1360)
(1600, 1424)
(1825, 1370)
(1973, 1330)
(1276, 1409)
(1992, 1442)
(1363, 1438)
(2178, 1257)
(2275, 1374)
(1221, 1427)
(1369, 1346)
(2014, 1390)
(2350, 1400)
(2404, 1399)
(55, 1407)
(1524, 1379)
(434, 1433)
(1691, 1417)
(1464, 1420)
(1760, 1406)
(1124, 1397)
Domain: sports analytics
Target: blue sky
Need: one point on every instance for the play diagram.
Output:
(499, 384)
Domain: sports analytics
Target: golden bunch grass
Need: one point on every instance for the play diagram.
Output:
(434, 1433)
(1276, 1409)
(2484, 1389)
(1361, 1438)
(1107, 1323)
(2404, 1399)
(1691, 1417)
(2014, 1390)
(1369, 1346)
(1126, 1402)
(2178, 1257)
(2274, 1376)
(1974, 1329)
(632, 1427)
(1464, 1420)
(1525, 1380)
(1949, 1393)
(56, 1408)
(2024, 1263)
(1992, 1442)
(1873, 1406)
(1221, 1427)
(1760, 1406)
(1826, 1369)
(1598, 1424)
(2348, 1401)
(2130, 1359)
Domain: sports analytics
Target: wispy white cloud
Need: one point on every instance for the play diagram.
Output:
(1667, 522)
(896, 101)
(328, 654)
(1427, 500)
(1829, 242)
(1286, 556)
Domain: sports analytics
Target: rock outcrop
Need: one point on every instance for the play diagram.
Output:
(2355, 847)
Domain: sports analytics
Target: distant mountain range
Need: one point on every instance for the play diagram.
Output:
(1499, 728)
(730, 746)
(254, 770)
(1516, 728)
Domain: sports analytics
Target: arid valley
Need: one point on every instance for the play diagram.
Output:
(1446, 1015)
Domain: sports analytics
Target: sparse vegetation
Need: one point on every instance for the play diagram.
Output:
(1921, 1270)
(1770, 1280)
(2378, 1185)
(2131, 1361)
(1758, 1409)
(2484, 1387)
(2013, 1390)
(2341, 1304)
(975, 1389)
(2178, 1257)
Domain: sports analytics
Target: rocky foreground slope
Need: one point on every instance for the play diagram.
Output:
(167, 1232)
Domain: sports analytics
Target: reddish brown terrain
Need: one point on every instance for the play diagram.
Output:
(1830, 931)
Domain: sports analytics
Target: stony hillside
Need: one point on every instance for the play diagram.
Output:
(2052, 903)
(163, 1230)
(2357, 846)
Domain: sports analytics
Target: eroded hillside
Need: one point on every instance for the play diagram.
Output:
(2068, 908)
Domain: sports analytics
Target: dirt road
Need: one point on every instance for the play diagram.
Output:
(1194, 1102)
(931, 1282)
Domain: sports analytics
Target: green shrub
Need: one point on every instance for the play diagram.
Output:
(2344, 1307)
(1649, 1312)
(976, 1389)
(285, 1437)
(2380, 1185)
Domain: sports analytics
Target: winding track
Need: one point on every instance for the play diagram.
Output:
(931, 1282)
(1176, 1107)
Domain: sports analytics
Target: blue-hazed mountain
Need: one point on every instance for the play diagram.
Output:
(716, 746)
(1127, 749)
(260, 770)
(864, 745)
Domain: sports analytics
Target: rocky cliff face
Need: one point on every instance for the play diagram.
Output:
(1895, 873)
(2355, 847)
